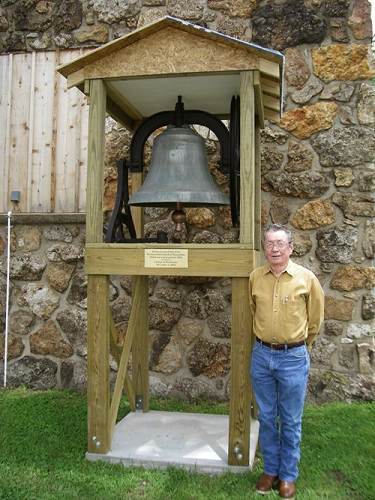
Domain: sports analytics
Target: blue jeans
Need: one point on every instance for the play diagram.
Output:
(279, 381)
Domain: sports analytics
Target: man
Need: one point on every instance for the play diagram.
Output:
(287, 303)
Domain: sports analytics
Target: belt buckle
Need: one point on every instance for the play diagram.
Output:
(272, 346)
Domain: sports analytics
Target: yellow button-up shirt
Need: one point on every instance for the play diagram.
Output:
(286, 309)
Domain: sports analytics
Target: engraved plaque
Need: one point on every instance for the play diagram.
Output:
(166, 258)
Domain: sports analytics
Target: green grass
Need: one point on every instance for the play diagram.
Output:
(43, 442)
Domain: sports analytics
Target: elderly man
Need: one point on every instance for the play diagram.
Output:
(287, 303)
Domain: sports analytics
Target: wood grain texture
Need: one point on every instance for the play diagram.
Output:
(136, 313)
(82, 174)
(271, 103)
(270, 69)
(116, 353)
(157, 27)
(41, 139)
(68, 146)
(247, 157)
(6, 64)
(95, 173)
(19, 128)
(258, 99)
(211, 260)
(239, 415)
(258, 189)
(272, 116)
(140, 353)
(137, 212)
(98, 391)
(253, 403)
(239, 412)
(172, 51)
(44, 129)
(270, 87)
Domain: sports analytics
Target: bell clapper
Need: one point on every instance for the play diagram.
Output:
(179, 217)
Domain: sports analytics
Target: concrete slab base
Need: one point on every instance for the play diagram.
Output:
(158, 439)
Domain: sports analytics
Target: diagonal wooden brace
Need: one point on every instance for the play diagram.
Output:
(123, 365)
(116, 353)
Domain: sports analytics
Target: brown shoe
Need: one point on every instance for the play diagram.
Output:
(266, 484)
(287, 489)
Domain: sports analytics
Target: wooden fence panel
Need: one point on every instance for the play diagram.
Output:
(82, 168)
(20, 127)
(40, 192)
(5, 95)
(43, 134)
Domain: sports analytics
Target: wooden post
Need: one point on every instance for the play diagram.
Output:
(239, 416)
(247, 157)
(98, 390)
(257, 188)
(98, 322)
(140, 351)
(258, 233)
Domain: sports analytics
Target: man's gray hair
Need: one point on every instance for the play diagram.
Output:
(272, 228)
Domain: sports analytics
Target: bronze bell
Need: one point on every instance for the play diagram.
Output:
(179, 173)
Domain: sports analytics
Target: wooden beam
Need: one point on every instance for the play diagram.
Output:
(98, 395)
(258, 99)
(95, 162)
(203, 260)
(270, 87)
(99, 432)
(269, 69)
(140, 353)
(119, 115)
(75, 79)
(116, 353)
(123, 103)
(85, 88)
(271, 115)
(239, 411)
(239, 416)
(135, 315)
(258, 189)
(137, 212)
(271, 102)
(247, 157)
(253, 403)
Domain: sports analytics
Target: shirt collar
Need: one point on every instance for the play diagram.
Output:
(290, 269)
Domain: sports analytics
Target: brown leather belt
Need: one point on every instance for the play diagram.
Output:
(281, 347)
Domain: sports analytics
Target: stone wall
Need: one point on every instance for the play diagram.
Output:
(317, 176)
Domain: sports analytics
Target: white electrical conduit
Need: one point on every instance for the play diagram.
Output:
(7, 305)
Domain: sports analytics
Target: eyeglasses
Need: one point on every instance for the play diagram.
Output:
(276, 244)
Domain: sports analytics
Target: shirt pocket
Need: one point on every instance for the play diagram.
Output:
(293, 310)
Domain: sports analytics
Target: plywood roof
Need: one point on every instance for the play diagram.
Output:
(147, 69)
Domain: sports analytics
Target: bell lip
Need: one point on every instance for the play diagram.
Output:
(173, 204)
(220, 199)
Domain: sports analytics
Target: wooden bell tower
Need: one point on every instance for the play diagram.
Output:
(130, 79)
